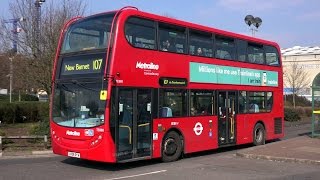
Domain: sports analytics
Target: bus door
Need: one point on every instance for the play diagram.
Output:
(134, 123)
(227, 109)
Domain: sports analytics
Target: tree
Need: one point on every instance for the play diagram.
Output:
(296, 78)
(4, 71)
(38, 50)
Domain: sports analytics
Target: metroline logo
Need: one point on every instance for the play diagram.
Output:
(73, 133)
(149, 66)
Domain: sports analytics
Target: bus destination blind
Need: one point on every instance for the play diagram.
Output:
(81, 66)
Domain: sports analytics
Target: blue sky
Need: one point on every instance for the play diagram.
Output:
(288, 22)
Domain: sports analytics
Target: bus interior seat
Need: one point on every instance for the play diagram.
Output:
(165, 112)
(138, 44)
(126, 118)
(254, 108)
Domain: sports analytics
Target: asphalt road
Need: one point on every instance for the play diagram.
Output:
(217, 164)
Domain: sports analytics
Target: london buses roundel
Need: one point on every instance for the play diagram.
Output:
(198, 128)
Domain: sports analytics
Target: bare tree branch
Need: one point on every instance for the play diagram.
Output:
(296, 78)
(34, 67)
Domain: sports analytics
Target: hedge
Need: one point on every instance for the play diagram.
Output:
(41, 128)
(15, 97)
(304, 111)
(300, 100)
(291, 114)
(20, 112)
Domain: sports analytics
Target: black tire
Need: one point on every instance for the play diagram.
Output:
(171, 147)
(259, 135)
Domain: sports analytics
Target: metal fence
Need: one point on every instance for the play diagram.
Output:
(45, 140)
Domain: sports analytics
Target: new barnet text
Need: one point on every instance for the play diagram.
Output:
(77, 67)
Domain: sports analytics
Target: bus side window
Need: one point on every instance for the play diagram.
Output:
(255, 53)
(225, 48)
(272, 56)
(242, 102)
(173, 102)
(140, 33)
(202, 102)
(175, 35)
(269, 97)
(200, 43)
(242, 50)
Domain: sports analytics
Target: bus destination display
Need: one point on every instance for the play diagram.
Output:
(173, 82)
(81, 66)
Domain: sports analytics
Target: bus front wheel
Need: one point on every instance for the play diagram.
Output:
(171, 147)
(259, 135)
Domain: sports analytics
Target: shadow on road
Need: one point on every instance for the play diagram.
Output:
(217, 151)
(131, 165)
(109, 166)
(305, 134)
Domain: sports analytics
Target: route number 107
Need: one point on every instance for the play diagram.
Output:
(97, 64)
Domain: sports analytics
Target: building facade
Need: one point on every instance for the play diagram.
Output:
(305, 60)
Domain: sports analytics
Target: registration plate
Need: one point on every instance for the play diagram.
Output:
(74, 154)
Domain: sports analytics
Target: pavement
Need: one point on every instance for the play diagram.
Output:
(302, 149)
(25, 154)
(297, 146)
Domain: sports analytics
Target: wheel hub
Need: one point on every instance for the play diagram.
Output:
(170, 147)
(259, 135)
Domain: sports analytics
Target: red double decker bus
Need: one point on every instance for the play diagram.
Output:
(130, 85)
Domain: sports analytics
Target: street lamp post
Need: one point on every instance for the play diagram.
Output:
(37, 5)
(10, 76)
(254, 21)
(15, 31)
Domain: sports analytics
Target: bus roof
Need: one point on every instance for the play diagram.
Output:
(194, 26)
(133, 11)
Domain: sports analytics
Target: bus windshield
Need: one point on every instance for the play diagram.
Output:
(88, 34)
(78, 104)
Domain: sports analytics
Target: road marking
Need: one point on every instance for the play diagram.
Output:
(125, 177)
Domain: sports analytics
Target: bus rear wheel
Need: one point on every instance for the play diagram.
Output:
(259, 135)
(171, 147)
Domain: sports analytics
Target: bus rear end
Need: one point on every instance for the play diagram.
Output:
(79, 112)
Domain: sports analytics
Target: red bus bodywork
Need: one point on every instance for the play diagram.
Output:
(123, 64)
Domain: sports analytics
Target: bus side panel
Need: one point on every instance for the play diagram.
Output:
(278, 109)
(199, 133)
(242, 129)
(247, 122)
(245, 125)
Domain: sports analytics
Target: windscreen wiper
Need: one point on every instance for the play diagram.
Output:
(83, 86)
(64, 87)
